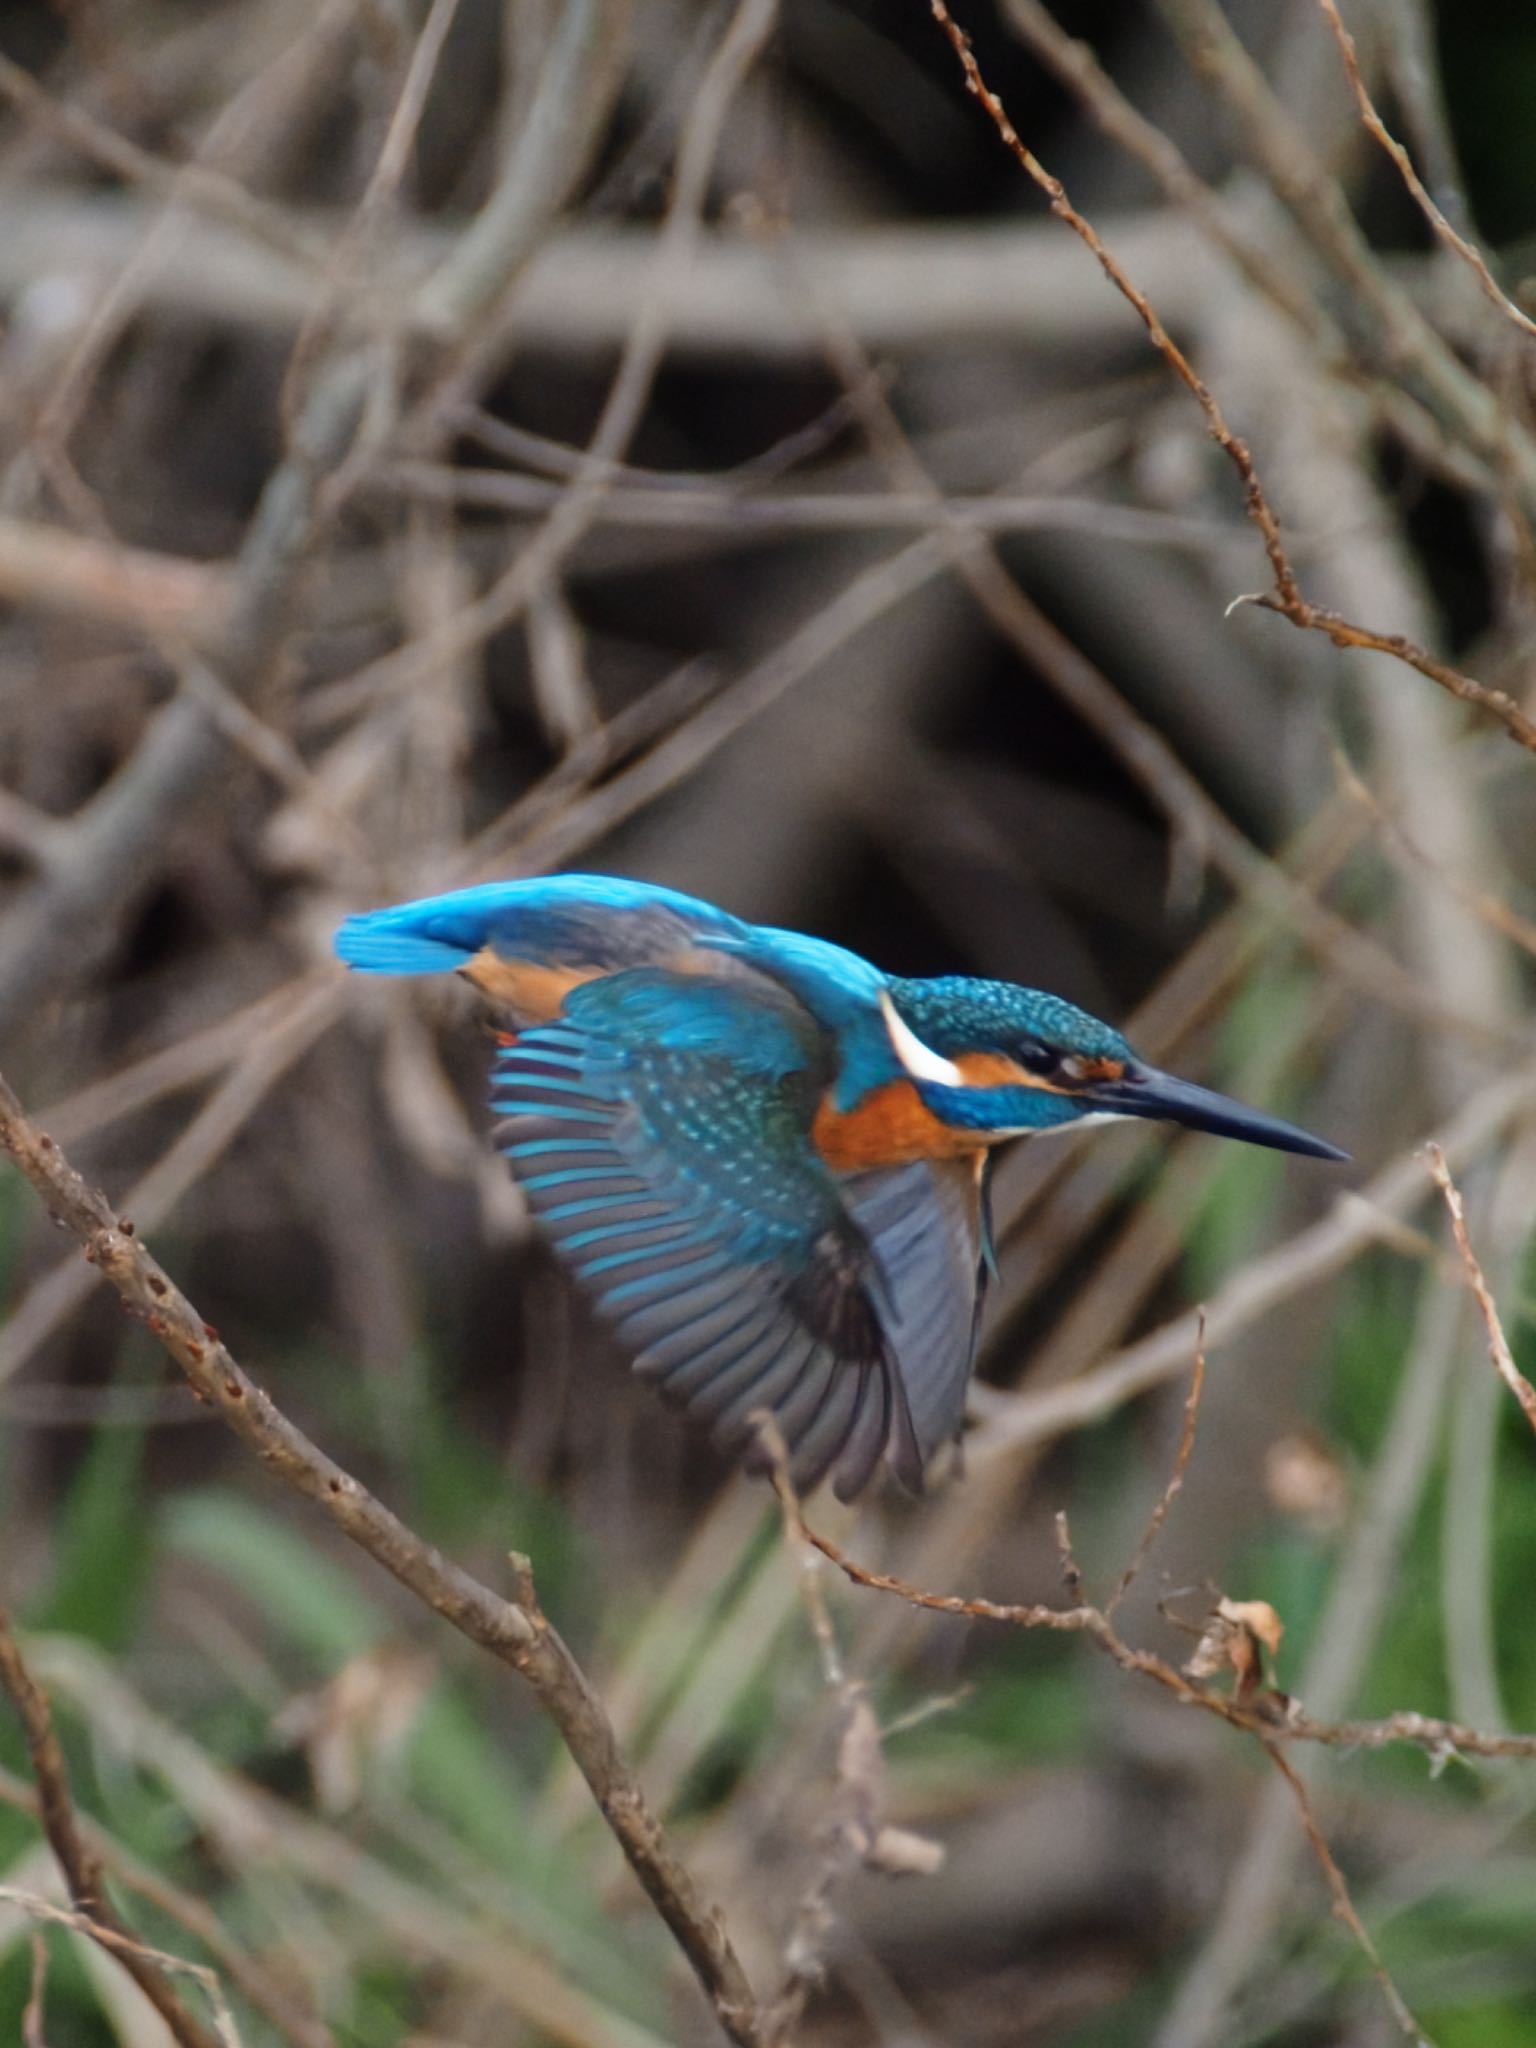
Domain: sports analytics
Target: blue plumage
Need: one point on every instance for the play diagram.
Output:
(765, 1158)
(600, 920)
(659, 1133)
(841, 991)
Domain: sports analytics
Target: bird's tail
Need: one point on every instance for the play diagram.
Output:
(430, 937)
(600, 921)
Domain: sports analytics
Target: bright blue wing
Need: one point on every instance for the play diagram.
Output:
(660, 1130)
(603, 921)
(841, 990)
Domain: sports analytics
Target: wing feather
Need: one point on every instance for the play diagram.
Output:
(926, 1225)
(660, 1129)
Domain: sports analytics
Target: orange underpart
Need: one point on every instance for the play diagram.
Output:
(890, 1127)
(534, 991)
(995, 1070)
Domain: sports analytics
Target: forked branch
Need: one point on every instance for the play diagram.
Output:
(1286, 595)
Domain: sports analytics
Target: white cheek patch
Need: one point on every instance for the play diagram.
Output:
(919, 1060)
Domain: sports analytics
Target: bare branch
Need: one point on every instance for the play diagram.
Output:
(1469, 253)
(1286, 597)
(1175, 1478)
(1498, 1343)
(1343, 1904)
(135, 1956)
(224, 199)
(1311, 1255)
(516, 1632)
(302, 2028)
(94, 1913)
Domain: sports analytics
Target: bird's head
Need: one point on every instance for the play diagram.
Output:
(989, 1057)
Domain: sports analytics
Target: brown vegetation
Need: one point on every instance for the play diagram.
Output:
(449, 440)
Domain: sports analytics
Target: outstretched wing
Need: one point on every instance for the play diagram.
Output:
(927, 1227)
(660, 1129)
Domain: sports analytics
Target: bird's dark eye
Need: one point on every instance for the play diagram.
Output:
(1043, 1060)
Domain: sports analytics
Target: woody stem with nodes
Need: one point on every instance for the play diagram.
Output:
(516, 1631)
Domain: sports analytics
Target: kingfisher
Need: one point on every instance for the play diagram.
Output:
(765, 1159)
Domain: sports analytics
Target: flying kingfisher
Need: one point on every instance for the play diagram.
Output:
(766, 1159)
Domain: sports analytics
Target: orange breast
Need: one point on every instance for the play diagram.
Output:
(533, 991)
(536, 991)
(890, 1127)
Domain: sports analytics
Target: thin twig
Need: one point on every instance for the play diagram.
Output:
(1404, 342)
(736, 514)
(516, 1632)
(1312, 1255)
(1235, 449)
(819, 1616)
(507, 597)
(1286, 597)
(1490, 910)
(272, 2000)
(1343, 1904)
(855, 1834)
(1175, 1484)
(135, 1955)
(94, 1912)
(1498, 1343)
(1268, 1714)
(32, 2016)
(1469, 253)
(222, 198)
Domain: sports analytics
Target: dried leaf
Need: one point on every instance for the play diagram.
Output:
(1235, 1639)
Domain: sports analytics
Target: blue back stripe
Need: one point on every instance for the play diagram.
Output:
(615, 1172)
(555, 1112)
(638, 1197)
(527, 1148)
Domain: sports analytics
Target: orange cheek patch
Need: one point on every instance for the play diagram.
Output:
(890, 1127)
(1078, 1070)
(1082, 1068)
(996, 1070)
(535, 992)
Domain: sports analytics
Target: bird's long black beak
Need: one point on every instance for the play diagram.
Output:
(1144, 1091)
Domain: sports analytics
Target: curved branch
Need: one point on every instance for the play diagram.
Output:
(516, 1631)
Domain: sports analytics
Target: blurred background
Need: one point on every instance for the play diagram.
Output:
(890, 604)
